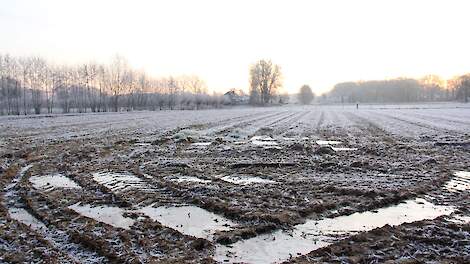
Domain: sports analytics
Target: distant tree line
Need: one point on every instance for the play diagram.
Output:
(32, 85)
(428, 89)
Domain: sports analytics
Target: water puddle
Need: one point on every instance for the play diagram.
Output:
(461, 182)
(142, 144)
(333, 144)
(246, 180)
(189, 220)
(201, 144)
(113, 216)
(263, 141)
(343, 149)
(59, 239)
(49, 182)
(405, 212)
(272, 147)
(282, 245)
(460, 219)
(190, 179)
(268, 248)
(289, 139)
(120, 182)
(23, 216)
(328, 142)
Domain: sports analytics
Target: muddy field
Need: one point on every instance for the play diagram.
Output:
(254, 185)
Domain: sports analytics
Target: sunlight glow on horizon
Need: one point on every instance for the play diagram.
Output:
(319, 43)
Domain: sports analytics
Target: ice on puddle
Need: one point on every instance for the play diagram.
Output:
(460, 219)
(263, 141)
(119, 182)
(23, 216)
(190, 179)
(328, 142)
(110, 215)
(288, 139)
(189, 220)
(461, 182)
(142, 144)
(281, 245)
(246, 180)
(343, 149)
(201, 144)
(406, 212)
(49, 182)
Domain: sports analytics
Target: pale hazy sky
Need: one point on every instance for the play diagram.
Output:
(318, 43)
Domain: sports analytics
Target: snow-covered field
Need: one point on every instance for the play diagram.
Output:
(238, 184)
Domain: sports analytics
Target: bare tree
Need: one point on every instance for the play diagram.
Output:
(464, 87)
(306, 95)
(172, 87)
(103, 80)
(432, 88)
(117, 71)
(265, 79)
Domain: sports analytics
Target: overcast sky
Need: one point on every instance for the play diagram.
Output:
(318, 43)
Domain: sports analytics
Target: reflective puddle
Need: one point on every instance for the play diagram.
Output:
(461, 182)
(327, 142)
(406, 212)
(263, 141)
(201, 144)
(334, 145)
(460, 219)
(23, 216)
(268, 248)
(289, 139)
(190, 179)
(113, 216)
(246, 180)
(189, 220)
(120, 182)
(281, 245)
(343, 149)
(49, 182)
(142, 144)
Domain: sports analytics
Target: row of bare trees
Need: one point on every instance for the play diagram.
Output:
(427, 89)
(33, 85)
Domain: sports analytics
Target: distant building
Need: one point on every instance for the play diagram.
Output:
(236, 97)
